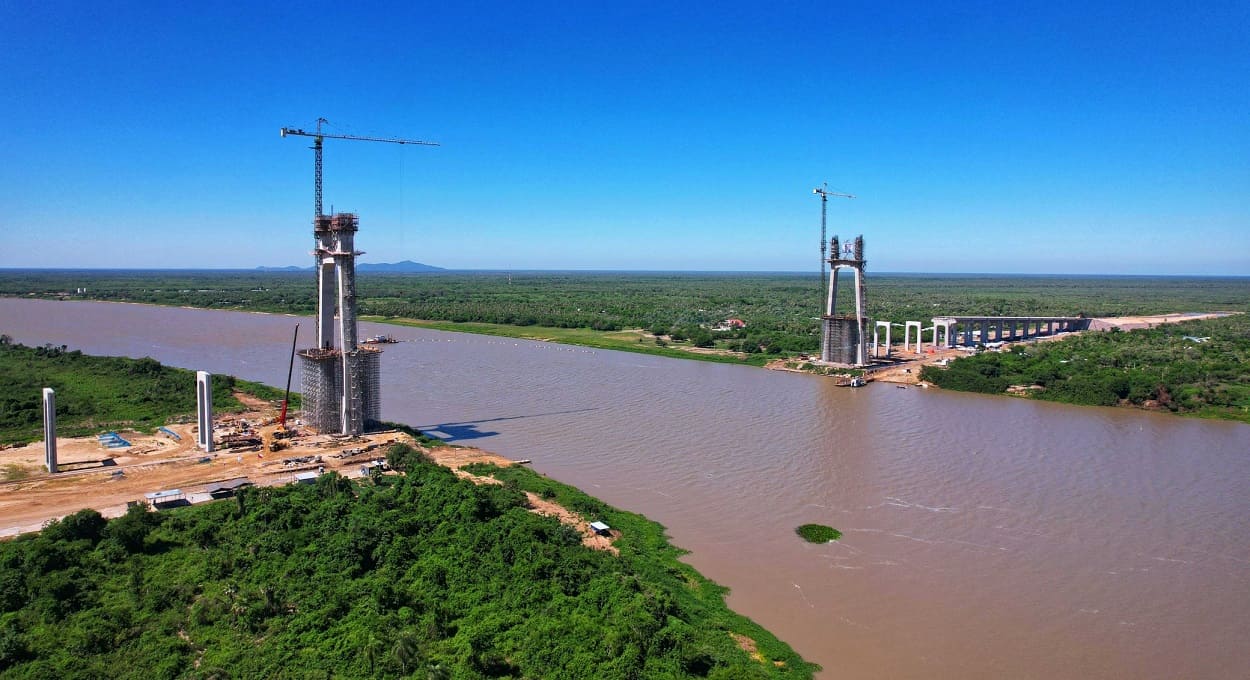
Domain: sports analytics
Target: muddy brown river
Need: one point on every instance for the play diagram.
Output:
(984, 537)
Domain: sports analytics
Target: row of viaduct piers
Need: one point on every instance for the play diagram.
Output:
(970, 331)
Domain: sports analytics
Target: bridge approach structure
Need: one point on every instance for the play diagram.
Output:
(978, 330)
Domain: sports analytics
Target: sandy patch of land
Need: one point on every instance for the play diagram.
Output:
(107, 480)
(1128, 323)
(456, 457)
(589, 538)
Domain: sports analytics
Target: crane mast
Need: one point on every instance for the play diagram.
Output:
(318, 136)
(341, 383)
(824, 193)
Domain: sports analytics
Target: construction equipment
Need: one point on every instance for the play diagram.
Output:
(289, 370)
(824, 193)
(318, 136)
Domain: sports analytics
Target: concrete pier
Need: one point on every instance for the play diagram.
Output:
(907, 336)
(978, 330)
(204, 409)
(844, 337)
(49, 428)
(876, 346)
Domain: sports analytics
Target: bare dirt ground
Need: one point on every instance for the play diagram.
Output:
(1128, 323)
(93, 476)
(107, 479)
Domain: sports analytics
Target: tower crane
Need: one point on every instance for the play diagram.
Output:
(824, 193)
(318, 136)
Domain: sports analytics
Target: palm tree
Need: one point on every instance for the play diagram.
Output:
(406, 650)
(371, 649)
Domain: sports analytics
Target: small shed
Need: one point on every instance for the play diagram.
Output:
(309, 477)
(600, 528)
(165, 498)
(367, 468)
(227, 488)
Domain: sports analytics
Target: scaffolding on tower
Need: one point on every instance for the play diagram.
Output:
(340, 380)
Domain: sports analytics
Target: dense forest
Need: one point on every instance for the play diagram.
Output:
(421, 575)
(781, 311)
(1197, 367)
(95, 393)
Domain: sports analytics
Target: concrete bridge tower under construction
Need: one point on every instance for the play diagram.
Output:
(844, 336)
(339, 377)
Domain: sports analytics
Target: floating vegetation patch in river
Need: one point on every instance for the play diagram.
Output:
(818, 533)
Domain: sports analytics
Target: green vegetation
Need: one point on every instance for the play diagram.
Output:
(95, 394)
(670, 313)
(423, 575)
(781, 310)
(818, 533)
(1155, 367)
(623, 341)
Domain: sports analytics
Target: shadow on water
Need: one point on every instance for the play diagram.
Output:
(469, 429)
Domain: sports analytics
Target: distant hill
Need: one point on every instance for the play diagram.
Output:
(405, 267)
(291, 268)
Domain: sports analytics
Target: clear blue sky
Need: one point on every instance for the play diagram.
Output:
(992, 137)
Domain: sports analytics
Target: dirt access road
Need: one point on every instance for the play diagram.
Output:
(94, 476)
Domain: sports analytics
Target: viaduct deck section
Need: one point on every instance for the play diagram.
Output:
(982, 329)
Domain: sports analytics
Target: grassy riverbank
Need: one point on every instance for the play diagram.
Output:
(420, 573)
(636, 340)
(423, 572)
(674, 315)
(1198, 368)
(95, 394)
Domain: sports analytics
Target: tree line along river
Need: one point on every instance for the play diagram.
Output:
(984, 537)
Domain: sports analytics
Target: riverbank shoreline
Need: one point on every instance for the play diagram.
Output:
(905, 370)
(956, 507)
(167, 462)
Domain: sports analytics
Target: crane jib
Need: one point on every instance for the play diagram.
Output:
(318, 136)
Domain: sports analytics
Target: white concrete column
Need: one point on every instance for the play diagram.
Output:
(875, 330)
(907, 336)
(325, 303)
(861, 356)
(49, 428)
(831, 298)
(204, 409)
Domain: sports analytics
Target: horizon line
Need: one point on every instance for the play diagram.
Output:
(440, 270)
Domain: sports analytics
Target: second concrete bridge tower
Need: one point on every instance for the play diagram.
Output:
(844, 336)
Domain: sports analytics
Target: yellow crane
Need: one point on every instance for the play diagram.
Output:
(318, 136)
